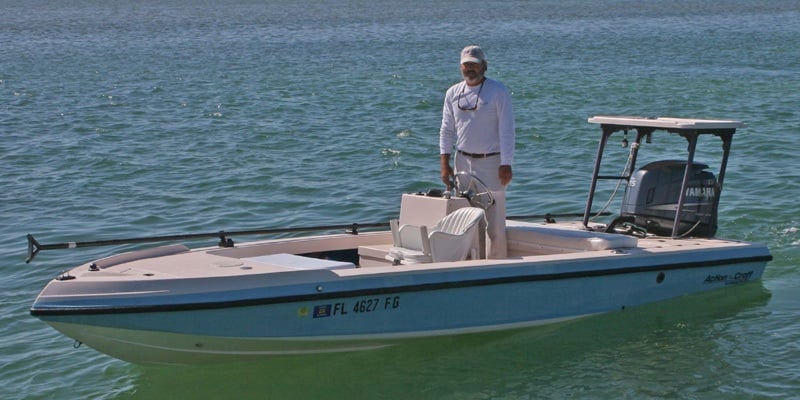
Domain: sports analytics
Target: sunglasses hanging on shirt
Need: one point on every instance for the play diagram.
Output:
(477, 98)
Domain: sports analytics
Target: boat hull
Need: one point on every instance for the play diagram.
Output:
(373, 311)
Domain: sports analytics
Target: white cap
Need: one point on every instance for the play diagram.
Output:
(473, 53)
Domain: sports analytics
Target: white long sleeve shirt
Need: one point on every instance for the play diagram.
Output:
(487, 129)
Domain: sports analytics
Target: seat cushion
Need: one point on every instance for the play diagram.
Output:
(566, 239)
(407, 256)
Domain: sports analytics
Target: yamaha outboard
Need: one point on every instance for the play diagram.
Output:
(652, 193)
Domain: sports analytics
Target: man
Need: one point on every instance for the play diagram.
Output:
(478, 122)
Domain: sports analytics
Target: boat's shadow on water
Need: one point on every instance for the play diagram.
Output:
(468, 366)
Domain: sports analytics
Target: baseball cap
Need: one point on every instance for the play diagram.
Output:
(473, 53)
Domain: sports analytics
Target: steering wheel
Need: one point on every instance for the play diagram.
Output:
(473, 189)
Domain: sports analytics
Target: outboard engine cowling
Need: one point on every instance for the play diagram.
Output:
(651, 198)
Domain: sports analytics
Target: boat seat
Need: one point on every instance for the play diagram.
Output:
(547, 239)
(453, 238)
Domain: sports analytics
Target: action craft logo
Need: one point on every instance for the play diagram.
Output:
(729, 279)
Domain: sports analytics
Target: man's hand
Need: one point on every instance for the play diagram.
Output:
(447, 170)
(505, 174)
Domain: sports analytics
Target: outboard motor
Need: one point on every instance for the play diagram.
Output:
(651, 198)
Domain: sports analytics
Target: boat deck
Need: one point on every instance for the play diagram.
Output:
(527, 242)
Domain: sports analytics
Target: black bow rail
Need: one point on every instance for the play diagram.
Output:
(34, 247)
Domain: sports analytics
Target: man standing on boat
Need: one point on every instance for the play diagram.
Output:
(478, 123)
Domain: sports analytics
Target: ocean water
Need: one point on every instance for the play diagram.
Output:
(125, 119)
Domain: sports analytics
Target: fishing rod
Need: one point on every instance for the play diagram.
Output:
(34, 247)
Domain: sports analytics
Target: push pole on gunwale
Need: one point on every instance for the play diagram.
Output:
(34, 247)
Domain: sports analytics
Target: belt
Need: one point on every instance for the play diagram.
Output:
(474, 155)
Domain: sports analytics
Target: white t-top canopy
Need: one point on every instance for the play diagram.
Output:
(667, 122)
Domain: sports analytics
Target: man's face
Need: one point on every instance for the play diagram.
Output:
(473, 72)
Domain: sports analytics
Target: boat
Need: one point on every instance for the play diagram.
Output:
(364, 287)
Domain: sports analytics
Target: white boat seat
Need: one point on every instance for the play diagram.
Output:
(453, 238)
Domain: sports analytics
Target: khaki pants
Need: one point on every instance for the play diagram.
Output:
(486, 169)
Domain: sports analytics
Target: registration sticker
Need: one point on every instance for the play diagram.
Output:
(322, 311)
